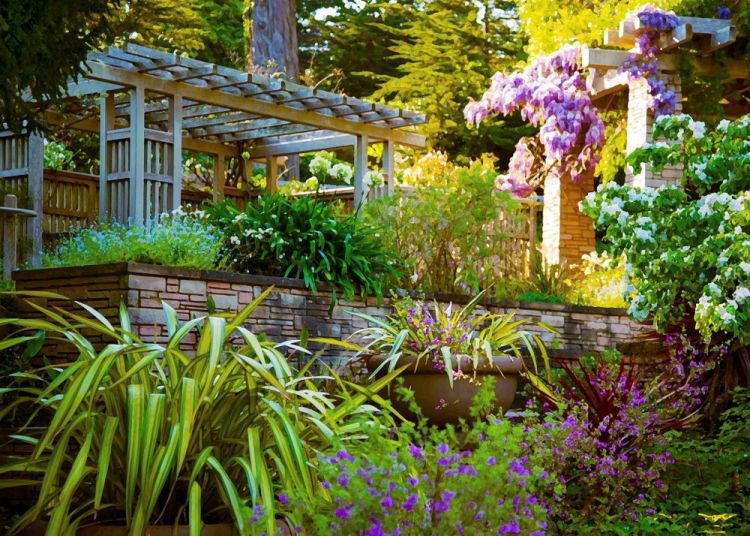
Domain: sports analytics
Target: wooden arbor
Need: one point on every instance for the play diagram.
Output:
(567, 233)
(148, 105)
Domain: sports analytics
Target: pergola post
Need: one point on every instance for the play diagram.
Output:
(106, 123)
(137, 147)
(640, 130)
(219, 177)
(567, 234)
(36, 195)
(360, 168)
(272, 173)
(388, 166)
(175, 127)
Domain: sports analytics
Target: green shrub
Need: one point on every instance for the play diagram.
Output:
(302, 238)
(176, 240)
(446, 229)
(484, 480)
(600, 283)
(710, 480)
(145, 433)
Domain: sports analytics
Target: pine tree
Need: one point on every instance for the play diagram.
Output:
(448, 51)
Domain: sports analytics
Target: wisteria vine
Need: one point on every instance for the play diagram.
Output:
(643, 62)
(550, 93)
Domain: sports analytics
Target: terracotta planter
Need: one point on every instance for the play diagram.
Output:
(432, 390)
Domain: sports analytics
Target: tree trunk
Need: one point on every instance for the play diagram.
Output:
(271, 33)
(272, 39)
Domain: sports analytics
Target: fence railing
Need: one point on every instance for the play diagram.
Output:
(71, 199)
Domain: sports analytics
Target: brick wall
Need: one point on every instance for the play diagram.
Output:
(640, 128)
(286, 311)
(567, 234)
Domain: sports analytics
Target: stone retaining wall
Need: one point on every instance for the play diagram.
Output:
(288, 310)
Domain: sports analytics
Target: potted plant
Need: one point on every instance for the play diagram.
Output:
(448, 352)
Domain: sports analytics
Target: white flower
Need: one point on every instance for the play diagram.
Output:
(722, 126)
(643, 234)
(320, 165)
(714, 289)
(373, 178)
(741, 294)
(234, 239)
(341, 172)
(745, 266)
(698, 128)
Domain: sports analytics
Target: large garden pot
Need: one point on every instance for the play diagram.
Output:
(432, 389)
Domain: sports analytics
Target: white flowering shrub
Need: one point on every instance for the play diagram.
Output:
(687, 246)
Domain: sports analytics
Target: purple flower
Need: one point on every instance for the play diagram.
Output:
(442, 448)
(416, 452)
(491, 460)
(343, 455)
(387, 502)
(410, 502)
(283, 499)
(344, 512)
(723, 12)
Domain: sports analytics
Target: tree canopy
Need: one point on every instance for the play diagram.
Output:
(42, 43)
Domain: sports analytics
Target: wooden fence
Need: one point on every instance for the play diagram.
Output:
(71, 199)
(12, 225)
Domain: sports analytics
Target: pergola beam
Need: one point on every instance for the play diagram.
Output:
(235, 102)
(296, 145)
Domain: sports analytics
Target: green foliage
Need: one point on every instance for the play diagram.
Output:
(600, 282)
(166, 24)
(42, 44)
(710, 480)
(302, 238)
(342, 49)
(446, 229)
(147, 433)
(612, 163)
(448, 50)
(58, 156)
(687, 248)
(550, 25)
(536, 296)
(432, 481)
(223, 35)
(176, 240)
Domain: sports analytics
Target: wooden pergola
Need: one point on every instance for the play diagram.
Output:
(148, 106)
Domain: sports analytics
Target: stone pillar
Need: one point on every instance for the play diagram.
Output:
(567, 234)
(640, 130)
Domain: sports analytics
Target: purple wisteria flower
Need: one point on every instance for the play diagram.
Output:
(550, 93)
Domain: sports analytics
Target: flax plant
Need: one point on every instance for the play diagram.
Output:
(144, 433)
